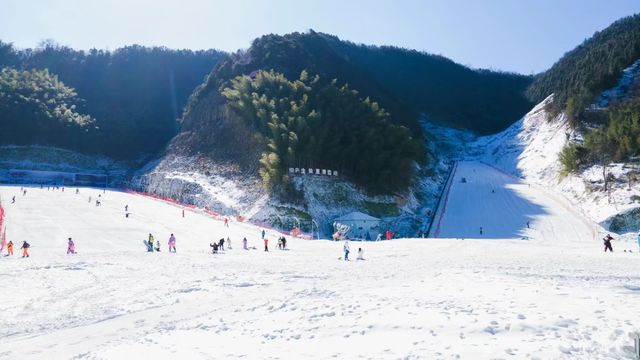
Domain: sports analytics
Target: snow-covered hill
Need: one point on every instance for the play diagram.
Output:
(529, 149)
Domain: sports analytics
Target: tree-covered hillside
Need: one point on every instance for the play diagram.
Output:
(35, 107)
(135, 94)
(314, 124)
(351, 87)
(405, 82)
(580, 76)
(480, 100)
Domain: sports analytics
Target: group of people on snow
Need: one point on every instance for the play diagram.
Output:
(347, 250)
(25, 249)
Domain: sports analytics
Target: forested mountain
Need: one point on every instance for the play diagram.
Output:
(480, 100)
(580, 76)
(577, 80)
(405, 82)
(375, 94)
(134, 94)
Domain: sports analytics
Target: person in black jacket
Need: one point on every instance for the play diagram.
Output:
(607, 243)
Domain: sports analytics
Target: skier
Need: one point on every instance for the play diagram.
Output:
(226, 222)
(263, 233)
(228, 243)
(280, 243)
(13, 200)
(71, 247)
(388, 234)
(480, 230)
(528, 225)
(158, 246)
(346, 250)
(77, 191)
(244, 244)
(214, 247)
(284, 243)
(607, 243)
(221, 244)
(9, 248)
(360, 254)
(379, 237)
(126, 208)
(25, 249)
(266, 243)
(172, 243)
(150, 243)
(24, 192)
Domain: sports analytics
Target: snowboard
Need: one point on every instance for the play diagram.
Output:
(146, 245)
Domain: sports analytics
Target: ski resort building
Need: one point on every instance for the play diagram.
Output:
(363, 226)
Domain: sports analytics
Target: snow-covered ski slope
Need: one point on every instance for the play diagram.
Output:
(414, 299)
(484, 202)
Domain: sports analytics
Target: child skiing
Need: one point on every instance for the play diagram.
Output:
(9, 248)
(71, 247)
(158, 246)
(172, 243)
(228, 243)
(25, 249)
(346, 250)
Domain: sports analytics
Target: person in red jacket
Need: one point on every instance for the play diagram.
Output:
(388, 234)
(266, 244)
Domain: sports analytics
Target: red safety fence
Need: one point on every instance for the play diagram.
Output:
(296, 232)
(3, 233)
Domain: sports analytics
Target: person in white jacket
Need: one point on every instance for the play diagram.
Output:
(346, 250)
(360, 254)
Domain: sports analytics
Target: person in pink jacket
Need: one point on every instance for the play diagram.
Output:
(172, 243)
(71, 247)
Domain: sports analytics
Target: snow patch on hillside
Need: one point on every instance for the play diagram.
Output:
(530, 148)
(200, 181)
(625, 86)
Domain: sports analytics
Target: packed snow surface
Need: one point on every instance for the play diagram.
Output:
(552, 296)
(484, 202)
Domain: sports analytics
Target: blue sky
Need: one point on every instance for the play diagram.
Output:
(526, 36)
